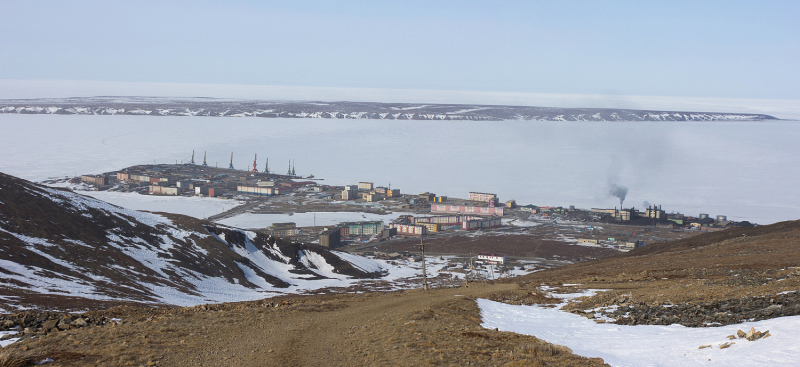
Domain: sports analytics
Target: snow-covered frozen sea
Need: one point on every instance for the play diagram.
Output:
(745, 170)
(254, 220)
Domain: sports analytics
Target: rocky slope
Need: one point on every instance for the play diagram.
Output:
(61, 249)
(153, 106)
(720, 278)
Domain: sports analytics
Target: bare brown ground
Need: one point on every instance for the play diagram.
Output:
(411, 328)
(741, 262)
(438, 327)
(512, 245)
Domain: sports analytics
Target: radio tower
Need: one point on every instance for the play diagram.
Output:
(192, 162)
(293, 168)
(255, 170)
(230, 166)
(204, 159)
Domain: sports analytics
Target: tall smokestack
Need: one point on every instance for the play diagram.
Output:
(618, 191)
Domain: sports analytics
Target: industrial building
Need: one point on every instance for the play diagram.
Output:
(365, 186)
(427, 196)
(331, 238)
(288, 229)
(463, 209)
(655, 212)
(481, 196)
(393, 193)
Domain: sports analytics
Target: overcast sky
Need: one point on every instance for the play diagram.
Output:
(720, 49)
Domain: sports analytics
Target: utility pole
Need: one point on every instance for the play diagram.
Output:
(424, 272)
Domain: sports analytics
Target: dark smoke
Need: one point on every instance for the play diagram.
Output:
(618, 191)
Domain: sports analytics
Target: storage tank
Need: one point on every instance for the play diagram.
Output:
(722, 218)
(703, 216)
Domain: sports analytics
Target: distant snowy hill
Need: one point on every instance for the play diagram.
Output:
(62, 249)
(153, 106)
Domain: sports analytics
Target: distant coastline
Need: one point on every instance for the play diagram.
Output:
(156, 106)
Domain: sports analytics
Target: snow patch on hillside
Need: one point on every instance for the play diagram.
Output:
(649, 345)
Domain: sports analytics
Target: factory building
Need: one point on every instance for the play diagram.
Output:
(426, 196)
(511, 204)
(331, 238)
(655, 212)
(288, 229)
(624, 214)
(440, 199)
(99, 180)
(265, 183)
(481, 196)
(367, 186)
(463, 209)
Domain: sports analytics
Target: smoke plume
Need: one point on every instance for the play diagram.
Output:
(618, 191)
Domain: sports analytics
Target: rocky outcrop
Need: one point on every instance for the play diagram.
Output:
(718, 313)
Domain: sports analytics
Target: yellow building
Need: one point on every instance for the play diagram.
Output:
(431, 227)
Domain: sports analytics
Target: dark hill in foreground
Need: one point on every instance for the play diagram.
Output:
(60, 249)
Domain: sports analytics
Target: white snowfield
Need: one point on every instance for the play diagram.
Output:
(194, 206)
(650, 345)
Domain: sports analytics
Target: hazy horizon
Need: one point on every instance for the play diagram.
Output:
(742, 49)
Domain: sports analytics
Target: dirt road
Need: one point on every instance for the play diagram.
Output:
(410, 328)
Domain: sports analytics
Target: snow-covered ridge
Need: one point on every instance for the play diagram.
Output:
(153, 106)
(61, 243)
